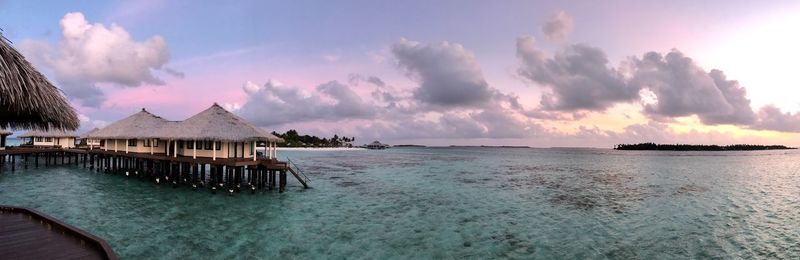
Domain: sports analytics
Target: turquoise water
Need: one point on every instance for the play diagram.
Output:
(426, 203)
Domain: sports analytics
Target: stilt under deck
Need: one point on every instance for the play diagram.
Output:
(227, 175)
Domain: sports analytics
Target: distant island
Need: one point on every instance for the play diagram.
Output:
(294, 139)
(693, 147)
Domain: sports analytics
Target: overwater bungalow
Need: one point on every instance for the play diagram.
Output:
(213, 133)
(141, 132)
(218, 133)
(90, 143)
(376, 146)
(52, 138)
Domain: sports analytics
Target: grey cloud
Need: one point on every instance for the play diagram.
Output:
(578, 78)
(683, 88)
(771, 118)
(376, 81)
(174, 72)
(448, 74)
(275, 104)
(89, 94)
(558, 27)
(355, 79)
(736, 96)
(500, 123)
(347, 103)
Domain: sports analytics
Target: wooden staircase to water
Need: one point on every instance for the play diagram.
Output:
(291, 166)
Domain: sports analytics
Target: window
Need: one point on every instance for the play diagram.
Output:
(180, 144)
(48, 139)
(206, 145)
(150, 142)
(219, 145)
(189, 144)
(39, 139)
(132, 142)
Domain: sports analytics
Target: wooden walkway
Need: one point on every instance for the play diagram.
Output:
(29, 234)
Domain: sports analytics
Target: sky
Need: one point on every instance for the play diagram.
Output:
(536, 73)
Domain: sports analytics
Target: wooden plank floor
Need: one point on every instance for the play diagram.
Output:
(25, 237)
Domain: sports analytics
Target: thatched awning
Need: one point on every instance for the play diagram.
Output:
(5, 132)
(51, 133)
(142, 125)
(218, 124)
(27, 98)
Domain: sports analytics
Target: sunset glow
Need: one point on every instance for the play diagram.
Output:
(528, 74)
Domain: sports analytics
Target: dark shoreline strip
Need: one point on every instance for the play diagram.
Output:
(690, 147)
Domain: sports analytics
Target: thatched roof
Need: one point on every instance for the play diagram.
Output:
(27, 98)
(85, 135)
(50, 133)
(141, 125)
(4, 131)
(218, 124)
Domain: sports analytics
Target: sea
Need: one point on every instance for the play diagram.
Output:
(448, 203)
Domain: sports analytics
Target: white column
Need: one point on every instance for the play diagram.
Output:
(153, 142)
(115, 145)
(272, 150)
(214, 151)
(194, 151)
(126, 145)
(106, 146)
(175, 149)
(253, 150)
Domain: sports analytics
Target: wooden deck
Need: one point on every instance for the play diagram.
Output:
(29, 234)
(76, 155)
(234, 162)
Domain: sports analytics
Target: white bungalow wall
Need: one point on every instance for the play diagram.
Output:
(122, 144)
(66, 142)
(226, 150)
(93, 142)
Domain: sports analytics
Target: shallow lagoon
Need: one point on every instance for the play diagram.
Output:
(449, 203)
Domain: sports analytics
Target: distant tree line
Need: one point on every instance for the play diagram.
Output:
(692, 147)
(294, 139)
